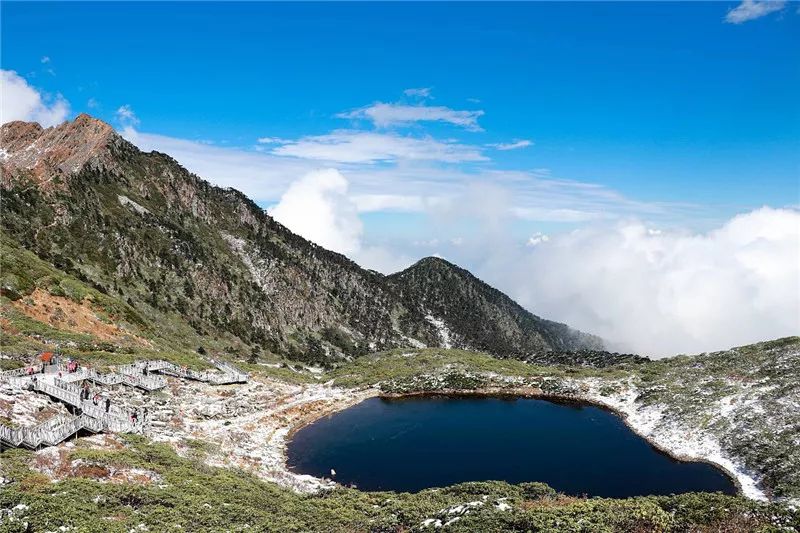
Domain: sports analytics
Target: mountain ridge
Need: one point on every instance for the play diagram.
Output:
(141, 227)
(480, 316)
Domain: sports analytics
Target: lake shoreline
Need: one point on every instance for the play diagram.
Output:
(361, 395)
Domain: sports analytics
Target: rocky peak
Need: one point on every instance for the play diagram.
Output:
(28, 151)
(480, 316)
(433, 262)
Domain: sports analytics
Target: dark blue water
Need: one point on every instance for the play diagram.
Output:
(416, 443)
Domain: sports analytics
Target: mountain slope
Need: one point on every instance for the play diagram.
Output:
(141, 228)
(473, 315)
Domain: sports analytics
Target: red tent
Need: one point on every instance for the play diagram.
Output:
(46, 356)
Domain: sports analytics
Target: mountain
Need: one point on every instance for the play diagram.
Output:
(143, 230)
(471, 314)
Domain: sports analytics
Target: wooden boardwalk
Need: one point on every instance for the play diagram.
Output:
(57, 382)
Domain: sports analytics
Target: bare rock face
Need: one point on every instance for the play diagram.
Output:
(142, 228)
(44, 155)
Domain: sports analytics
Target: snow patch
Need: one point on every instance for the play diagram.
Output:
(441, 327)
(124, 200)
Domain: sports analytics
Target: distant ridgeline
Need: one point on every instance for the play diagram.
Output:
(171, 249)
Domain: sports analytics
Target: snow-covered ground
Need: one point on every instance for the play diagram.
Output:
(679, 441)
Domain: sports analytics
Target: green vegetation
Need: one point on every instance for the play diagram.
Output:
(758, 386)
(169, 335)
(405, 365)
(187, 495)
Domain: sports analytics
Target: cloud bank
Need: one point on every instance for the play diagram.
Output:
(21, 101)
(664, 292)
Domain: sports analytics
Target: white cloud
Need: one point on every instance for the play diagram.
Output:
(92, 103)
(352, 146)
(45, 59)
(556, 214)
(405, 184)
(126, 116)
(20, 101)
(517, 143)
(260, 176)
(271, 140)
(422, 92)
(667, 292)
(753, 9)
(318, 208)
(537, 238)
(386, 115)
(389, 202)
(382, 259)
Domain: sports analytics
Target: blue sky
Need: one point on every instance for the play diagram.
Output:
(446, 124)
(662, 102)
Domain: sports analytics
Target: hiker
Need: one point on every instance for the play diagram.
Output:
(135, 417)
(30, 370)
(96, 398)
(144, 415)
(85, 393)
(146, 369)
(108, 404)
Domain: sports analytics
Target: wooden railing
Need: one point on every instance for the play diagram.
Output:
(49, 432)
(93, 417)
(227, 373)
(125, 374)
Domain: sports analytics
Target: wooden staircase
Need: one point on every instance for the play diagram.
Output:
(92, 417)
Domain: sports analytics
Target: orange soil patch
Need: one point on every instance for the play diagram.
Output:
(5, 327)
(90, 471)
(65, 314)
